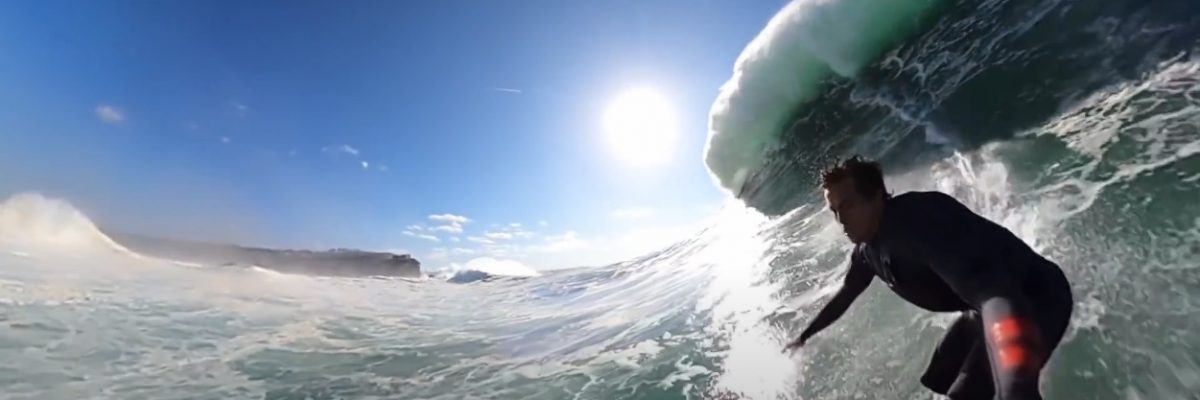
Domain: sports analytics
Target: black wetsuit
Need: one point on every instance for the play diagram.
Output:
(937, 254)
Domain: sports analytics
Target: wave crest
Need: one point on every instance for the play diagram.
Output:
(784, 67)
(33, 220)
(487, 268)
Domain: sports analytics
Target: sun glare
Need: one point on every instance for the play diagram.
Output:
(640, 127)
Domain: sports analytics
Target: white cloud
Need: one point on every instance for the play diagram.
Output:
(543, 223)
(480, 240)
(460, 250)
(452, 228)
(415, 228)
(109, 114)
(455, 239)
(225, 139)
(498, 235)
(366, 165)
(450, 223)
(633, 213)
(450, 218)
(507, 90)
(514, 225)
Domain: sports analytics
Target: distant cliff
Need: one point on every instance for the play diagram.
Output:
(336, 262)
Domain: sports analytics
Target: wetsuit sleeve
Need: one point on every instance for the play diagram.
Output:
(858, 278)
(966, 250)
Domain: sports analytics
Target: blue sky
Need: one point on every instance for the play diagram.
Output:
(367, 124)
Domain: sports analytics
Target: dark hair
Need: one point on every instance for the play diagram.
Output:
(868, 176)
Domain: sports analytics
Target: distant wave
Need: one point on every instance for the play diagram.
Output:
(32, 220)
(487, 268)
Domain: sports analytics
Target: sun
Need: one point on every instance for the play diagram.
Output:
(640, 127)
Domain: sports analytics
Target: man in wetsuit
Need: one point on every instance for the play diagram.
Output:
(937, 254)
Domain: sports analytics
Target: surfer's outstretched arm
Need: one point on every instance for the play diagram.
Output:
(857, 279)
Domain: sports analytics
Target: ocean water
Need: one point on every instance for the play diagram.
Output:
(1074, 123)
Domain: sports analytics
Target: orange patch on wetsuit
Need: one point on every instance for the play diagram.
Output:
(1012, 343)
(1012, 356)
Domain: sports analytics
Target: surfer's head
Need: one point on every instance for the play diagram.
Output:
(855, 192)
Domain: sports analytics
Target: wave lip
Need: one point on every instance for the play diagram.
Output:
(802, 46)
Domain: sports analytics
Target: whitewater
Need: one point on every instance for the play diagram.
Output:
(1076, 124)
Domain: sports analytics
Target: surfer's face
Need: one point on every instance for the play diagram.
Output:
(858, 214)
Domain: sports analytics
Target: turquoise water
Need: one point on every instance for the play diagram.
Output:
(1076, 124)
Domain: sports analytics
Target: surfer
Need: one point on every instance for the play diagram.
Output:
(937, 254)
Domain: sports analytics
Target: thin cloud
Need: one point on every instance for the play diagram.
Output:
(192, 126)
(507, 90)
(109, 114)
(498, 235)
(366, 165)
(499, 250)
(452, 228)
(345, 148)
(543, 223)
(422, 236)
(460, 250)
(480, 240)
(508, 232)
(382, 168)
(241, 108)
(566, 241)
(226, 139)
(455, 239)
(438, 254)
(415, 228)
